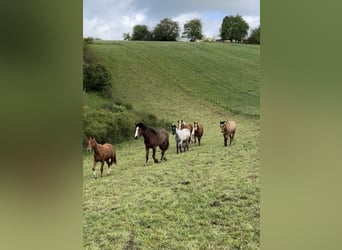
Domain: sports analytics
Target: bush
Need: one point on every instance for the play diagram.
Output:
(107, 126)
(97, 78)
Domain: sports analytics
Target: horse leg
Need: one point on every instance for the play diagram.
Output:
(163, 149)
(177, 146)
(147, 151)
(102, 163)
(162, 155)
(109, 163)
(154, 155)
(225, 139)
(231, 138)
(94, 172)
(199, 141)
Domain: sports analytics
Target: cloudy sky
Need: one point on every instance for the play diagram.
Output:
(109, 19)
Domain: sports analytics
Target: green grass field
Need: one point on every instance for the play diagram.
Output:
(205, 198)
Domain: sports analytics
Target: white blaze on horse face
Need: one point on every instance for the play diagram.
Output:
(136, 133)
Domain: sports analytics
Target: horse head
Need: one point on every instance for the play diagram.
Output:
(138, 129)
(195, 125)
(91, 143)
(179, 122)
(173, 128)
(222, 126)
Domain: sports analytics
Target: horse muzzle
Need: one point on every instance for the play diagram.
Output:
(136, 137)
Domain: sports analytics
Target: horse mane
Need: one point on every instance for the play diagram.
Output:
(153, 131)
(143, 126)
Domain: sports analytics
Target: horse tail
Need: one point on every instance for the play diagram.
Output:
(114, 156)
(114, 159)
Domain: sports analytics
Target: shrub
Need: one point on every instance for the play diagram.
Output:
(107, 126)
(97, 78)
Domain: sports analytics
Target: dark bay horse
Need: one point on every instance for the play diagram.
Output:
(198, 132)
(228, 128)
(182, 124)
(153, 138)
(102, 153)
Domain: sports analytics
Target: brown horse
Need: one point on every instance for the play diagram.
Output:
(182, 124)
(153, 138)
(228, 128)
(198, 132)
(102, 153)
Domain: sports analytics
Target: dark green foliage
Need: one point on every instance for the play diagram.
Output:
(115, 123)
(193, 29)
(107, 126)
(234, 28)
(97, 78)
(254, 38)
(141, 32)
(88, 54)
(166, 30)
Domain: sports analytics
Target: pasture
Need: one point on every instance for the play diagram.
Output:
(204, 198)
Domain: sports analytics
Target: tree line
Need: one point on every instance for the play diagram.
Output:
(233, 28)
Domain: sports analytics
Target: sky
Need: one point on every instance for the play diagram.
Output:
(109, 19)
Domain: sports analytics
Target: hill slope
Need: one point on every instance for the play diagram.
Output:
(150, 73)
(205, 198)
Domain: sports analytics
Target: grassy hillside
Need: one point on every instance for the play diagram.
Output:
(150, 73)
(205, 198)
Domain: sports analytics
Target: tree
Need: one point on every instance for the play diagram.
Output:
(88, 40)
(193, 29)
(234, 28)
(126, 36)
(166, 30)
(255, 36)
(140, 32)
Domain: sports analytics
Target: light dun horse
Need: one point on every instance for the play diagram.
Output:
(182, 138)
(102, 153)
(182, 125)
(152, 139)
(198, 132)
(228, 128)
